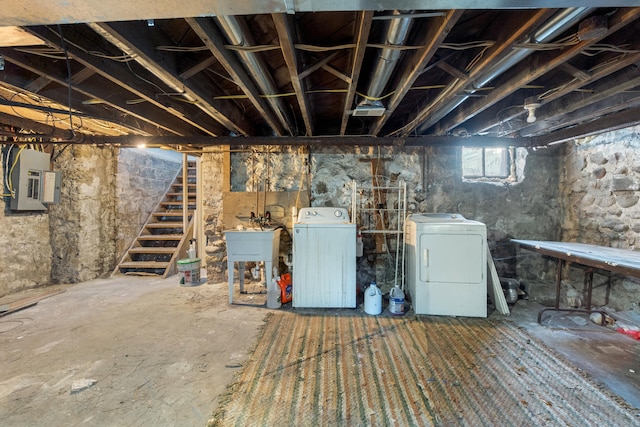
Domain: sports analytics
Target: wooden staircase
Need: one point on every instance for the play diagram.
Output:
(163, 239)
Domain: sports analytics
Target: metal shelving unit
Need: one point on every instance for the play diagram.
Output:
(377, 218)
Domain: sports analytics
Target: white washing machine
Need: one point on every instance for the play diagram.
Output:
(324, 258)
(446, 265)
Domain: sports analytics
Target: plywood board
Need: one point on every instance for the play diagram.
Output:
(237, 206)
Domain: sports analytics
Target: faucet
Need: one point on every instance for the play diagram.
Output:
(259, 220)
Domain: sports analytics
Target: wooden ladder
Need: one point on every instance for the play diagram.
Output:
(163, 239)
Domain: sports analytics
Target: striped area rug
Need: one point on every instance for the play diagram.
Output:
(349, 370)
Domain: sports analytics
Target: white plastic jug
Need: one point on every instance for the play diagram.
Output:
(396, 301)
(373, 300)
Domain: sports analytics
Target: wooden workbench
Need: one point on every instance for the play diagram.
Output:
(593, 257)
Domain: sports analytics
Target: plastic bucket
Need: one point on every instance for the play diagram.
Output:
(189, 271)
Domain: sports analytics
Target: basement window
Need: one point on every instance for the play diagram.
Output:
(489, 164)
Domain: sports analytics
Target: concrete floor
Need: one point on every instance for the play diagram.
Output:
(162, 354)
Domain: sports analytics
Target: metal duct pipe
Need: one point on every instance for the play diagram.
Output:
(387, 61)
(237, 33)
(555, 26)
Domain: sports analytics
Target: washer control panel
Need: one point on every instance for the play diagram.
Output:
(323, 215)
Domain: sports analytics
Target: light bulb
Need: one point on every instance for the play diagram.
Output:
(532, 115)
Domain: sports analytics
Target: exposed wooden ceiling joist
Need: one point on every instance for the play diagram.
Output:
(191, 77)
(214, 40)
(285, 35)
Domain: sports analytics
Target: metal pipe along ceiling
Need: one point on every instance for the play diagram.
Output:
(238, 35)
(555, 26)
(388, 59)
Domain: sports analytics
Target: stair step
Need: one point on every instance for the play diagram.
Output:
(165, 224)
(152, 250)
(177, 203)
(172, 214)
(190, 195)
(145, 264)
(151, 237)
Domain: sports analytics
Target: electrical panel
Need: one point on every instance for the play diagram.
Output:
(33, 184)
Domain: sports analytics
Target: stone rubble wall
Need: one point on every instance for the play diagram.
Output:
(83, 223)
(141, 181)
(103, 189)
(528, 210)
(601, 182)
(212, 163)
(26, 253)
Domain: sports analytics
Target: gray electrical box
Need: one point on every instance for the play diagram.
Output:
(34, 185)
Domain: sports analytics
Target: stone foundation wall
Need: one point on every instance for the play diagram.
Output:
(528, 210)
(212, 164)
(82, 228)
(601, 182)
(106, 194)
(26, 253)
(142, 180)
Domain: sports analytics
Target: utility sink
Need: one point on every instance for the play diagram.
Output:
(251, 245)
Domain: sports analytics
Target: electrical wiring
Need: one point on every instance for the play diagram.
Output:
(476, 59)
(182, 49)
(69, 84)
(467, 45)
(568, 41)
(15, 162)
(252, 49)
(601, 48)
(117, 58)
(7, 183)
(44, 52)
(145, 80)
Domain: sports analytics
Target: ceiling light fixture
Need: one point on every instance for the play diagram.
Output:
(369, 109)
(530, 104)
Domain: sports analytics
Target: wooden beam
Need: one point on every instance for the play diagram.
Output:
(197, 68)
(214, 40)
(535, 68)
(35, 12)
(566, 92)
(130, 119)
(361, 37)
(605, 124)
(575, 72)
(431, 39)
(285, 36)
(337, 141)
(37, 84)
(315, 67)
(453, 71)
(122, 76)
(379, 202)
(126, 36)
(613, 104)
(434, 111)
(338, 74)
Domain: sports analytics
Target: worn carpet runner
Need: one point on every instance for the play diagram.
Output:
(348, 370)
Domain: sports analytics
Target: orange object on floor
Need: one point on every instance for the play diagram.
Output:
(285, 288)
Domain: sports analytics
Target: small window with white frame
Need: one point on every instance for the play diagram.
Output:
(489, 164)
